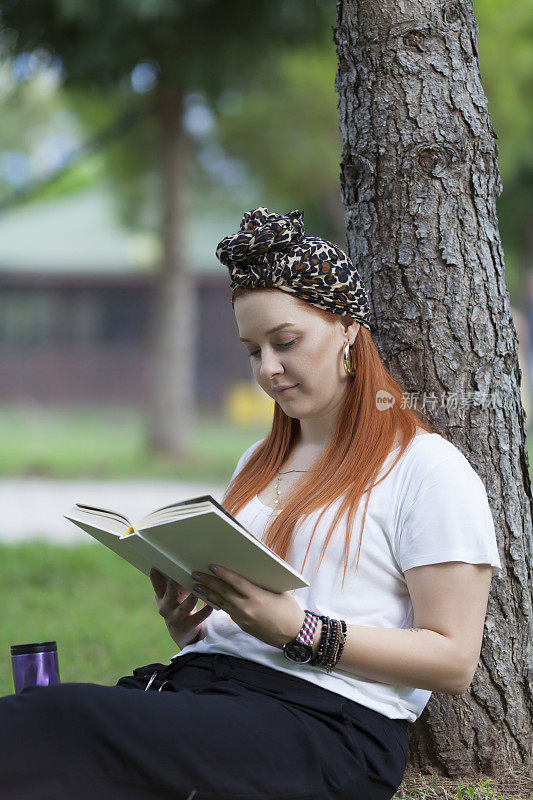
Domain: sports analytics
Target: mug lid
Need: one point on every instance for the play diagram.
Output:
(33, 647)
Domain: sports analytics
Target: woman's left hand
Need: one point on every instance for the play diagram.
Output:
(271, 617)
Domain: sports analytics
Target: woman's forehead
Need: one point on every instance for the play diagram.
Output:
(263, 314)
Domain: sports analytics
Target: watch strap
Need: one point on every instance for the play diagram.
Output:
(306, 634)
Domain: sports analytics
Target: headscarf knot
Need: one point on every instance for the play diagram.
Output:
(259, 233)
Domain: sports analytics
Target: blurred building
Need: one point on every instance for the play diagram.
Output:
(76, 296)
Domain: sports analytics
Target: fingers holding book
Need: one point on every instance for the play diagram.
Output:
(169, 593)
(159, 582)
(175, 605)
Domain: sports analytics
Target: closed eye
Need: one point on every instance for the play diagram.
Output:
(282, 345)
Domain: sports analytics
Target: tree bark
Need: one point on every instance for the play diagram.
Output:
(172, 414)
(419, 184)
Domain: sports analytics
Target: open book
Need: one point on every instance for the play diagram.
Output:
(186, 537)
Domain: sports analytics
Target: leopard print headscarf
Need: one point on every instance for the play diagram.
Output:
(271, 250)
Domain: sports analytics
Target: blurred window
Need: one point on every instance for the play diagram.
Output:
(28, 317)
(125, 312)
(86, 320)
(74, 316)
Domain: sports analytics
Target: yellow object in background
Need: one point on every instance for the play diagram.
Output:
(247, 404)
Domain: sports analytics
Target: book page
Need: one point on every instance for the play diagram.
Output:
(114, 543)
(209, 538)
(187, 508)
(108, 521)
(138, 553)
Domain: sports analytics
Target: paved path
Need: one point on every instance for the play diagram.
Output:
(33, 507)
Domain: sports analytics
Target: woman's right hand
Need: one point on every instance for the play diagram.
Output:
(175, 605)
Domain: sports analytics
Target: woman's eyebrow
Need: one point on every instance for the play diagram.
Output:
(272, 330)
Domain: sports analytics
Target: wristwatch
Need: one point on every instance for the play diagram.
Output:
(300, 649)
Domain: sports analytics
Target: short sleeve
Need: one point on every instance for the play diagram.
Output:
(448, 519)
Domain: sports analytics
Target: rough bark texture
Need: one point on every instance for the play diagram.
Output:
(173, 336)
(419, 184)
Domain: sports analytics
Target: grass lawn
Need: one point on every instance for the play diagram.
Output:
(110, 443)
(514, 785)
(100, 610)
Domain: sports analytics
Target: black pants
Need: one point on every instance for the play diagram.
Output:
(210, 726)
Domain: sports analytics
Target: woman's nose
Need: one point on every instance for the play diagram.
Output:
(270, 364)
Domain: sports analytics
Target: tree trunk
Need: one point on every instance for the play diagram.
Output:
(419, 184)
(171, 416)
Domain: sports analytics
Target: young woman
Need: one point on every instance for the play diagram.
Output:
(308, 694)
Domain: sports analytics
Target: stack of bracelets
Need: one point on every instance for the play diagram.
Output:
(331, 643)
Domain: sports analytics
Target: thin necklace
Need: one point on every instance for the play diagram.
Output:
(278, 492)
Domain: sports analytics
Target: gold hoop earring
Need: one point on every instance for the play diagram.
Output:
(346, 360)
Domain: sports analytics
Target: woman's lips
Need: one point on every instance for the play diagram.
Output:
(284, 391)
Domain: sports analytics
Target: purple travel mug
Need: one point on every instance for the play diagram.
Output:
(34, 665)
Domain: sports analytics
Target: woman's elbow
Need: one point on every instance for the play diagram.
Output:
(463, 682)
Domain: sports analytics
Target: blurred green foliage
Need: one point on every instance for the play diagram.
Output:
(272, 97)
(505, 45)
(286, 128)
(203, 45)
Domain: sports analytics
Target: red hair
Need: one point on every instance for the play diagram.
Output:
(363, 437)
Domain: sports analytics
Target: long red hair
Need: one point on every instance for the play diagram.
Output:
(352, 460)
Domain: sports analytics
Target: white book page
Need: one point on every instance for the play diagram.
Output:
(116, 525)
(212, 538)
(139, 553)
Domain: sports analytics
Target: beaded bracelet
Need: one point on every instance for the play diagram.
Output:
(317, 660)
(331, 652)
(331, 644)
(340, 645)
(343, 639)
(327, 643)
(326, 640)
(335, 649)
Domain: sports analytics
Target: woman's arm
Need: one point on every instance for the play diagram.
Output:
(449, 604)
(441, 651)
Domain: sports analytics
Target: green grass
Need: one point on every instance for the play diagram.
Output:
(439, 788)
(111, 443)
(100, 610)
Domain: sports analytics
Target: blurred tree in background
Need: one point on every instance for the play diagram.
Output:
(277, 126)
(505, 45)
(172, 48)
(254, 122)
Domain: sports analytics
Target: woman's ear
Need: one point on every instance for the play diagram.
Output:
(351, 329)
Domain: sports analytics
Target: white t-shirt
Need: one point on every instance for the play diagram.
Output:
(431, 508)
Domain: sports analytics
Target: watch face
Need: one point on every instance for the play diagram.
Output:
(295, 651)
